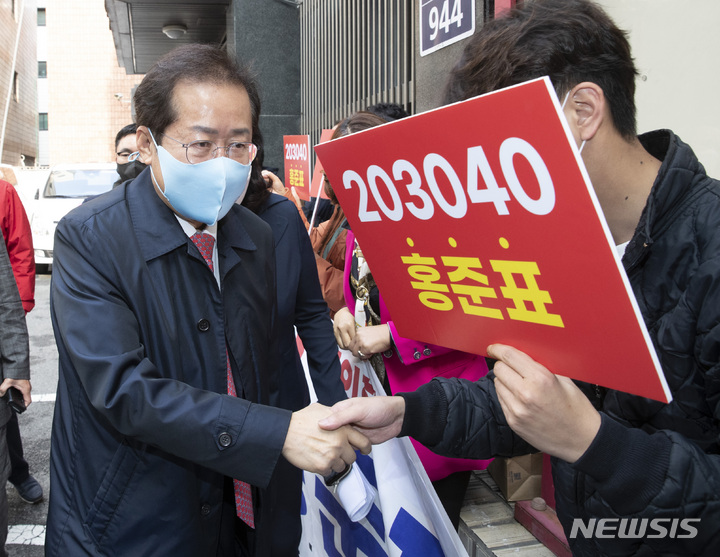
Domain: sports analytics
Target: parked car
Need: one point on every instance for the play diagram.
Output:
(67, 186)
(29, 180)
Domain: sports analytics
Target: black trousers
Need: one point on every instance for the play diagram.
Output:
(451, 492)
(244, 539)
(20, 469)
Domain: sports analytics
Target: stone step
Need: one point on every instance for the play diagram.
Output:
(487, 523)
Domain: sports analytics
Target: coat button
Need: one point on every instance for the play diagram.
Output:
(416, 355)
(224, 439)
(427, 351)
(203, 325)
(205, 510)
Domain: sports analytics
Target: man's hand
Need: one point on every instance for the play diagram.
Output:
(318, 450)
(546, 410)
(344, 328)
(379, 418)
(23, 385)
(370, 340)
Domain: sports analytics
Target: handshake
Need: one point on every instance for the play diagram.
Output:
(324, 440)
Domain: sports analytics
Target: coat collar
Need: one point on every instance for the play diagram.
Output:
(159, 233)
(679, 173)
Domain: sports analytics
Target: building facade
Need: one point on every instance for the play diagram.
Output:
(18, 78)
(88, 94)
(316, 61)
(319, 60)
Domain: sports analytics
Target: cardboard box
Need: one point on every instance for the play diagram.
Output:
(519, 478)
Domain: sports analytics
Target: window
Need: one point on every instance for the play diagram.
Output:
(43, 120)
(41, 17)
(15, 87)
(42, 69)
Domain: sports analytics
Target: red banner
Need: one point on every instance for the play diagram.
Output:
(480, 226)
(297, 164)
(317, 189)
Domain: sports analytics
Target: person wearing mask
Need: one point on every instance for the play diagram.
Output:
(388, 112)
(365, 327)
(128, 167)
(618, 459)
(328, 238)
(164, 440)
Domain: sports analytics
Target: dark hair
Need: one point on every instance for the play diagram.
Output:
(130, 129)
(388, 111)
(194, 63)
(357, 122)
(570, 41)
(257, 190)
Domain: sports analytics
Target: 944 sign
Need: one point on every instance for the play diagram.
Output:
(443, 22)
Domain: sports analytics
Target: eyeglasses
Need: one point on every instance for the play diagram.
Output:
(203, 150)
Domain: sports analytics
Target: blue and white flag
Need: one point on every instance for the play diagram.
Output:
(406, 517)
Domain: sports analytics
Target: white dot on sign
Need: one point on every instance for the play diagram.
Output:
(504, 243)
(452, 242)
(410, 242)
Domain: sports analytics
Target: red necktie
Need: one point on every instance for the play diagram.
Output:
(243, 495)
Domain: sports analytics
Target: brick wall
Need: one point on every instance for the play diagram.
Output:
(83, 78)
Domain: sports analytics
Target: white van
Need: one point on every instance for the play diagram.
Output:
(67, 186)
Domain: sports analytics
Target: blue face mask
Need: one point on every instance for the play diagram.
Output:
(203, 192)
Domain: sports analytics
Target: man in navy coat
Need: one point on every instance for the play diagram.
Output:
(163, 307)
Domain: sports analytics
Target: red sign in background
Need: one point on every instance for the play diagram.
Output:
(317, 189)
(480, 226)
(297, 164)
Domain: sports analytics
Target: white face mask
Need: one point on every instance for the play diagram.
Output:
(563, 108)
(205, 191)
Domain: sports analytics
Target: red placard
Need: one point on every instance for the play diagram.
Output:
(317, 189)
(297, 164)
(480, 226)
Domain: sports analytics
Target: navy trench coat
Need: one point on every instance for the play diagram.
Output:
(144, 438)
(301, 305)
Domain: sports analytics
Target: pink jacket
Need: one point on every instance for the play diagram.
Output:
(414, 363)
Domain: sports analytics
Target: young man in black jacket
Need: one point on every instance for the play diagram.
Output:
(649, 471)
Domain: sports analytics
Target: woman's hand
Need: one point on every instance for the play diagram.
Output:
(274, 183)
(344, 328)
(371, 340)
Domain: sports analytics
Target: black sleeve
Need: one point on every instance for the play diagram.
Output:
(462, 419)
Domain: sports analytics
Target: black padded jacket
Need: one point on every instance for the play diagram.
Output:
(653, 471)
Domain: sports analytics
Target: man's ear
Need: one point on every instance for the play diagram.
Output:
(586, 109)
(145, 145)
